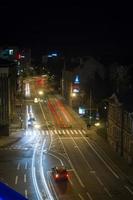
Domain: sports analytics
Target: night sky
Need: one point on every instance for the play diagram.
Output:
(73, 28)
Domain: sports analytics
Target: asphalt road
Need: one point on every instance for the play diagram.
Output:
(58, 137)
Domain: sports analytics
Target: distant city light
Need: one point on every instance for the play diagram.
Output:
(40, 92)
(81, 111)
(97, 124)
(54, 54)
(73, 94)
(75, 90)
(49, 56)
(77, 80)
(10, 51)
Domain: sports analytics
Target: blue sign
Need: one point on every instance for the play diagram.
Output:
(7, 193)
(77, 79)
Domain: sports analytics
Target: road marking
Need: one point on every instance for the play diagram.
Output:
(63, 132)
(76, 174)
(55, 131)
(26, 165)
(80, 132)
(99, 156)
(51, 185)
(26, 194)
(83, 131)
(72, 132)
(107, 192)
(129, 190)
(24, 178)
(51, 132)
(89, 196)
(99, 180)
(76, 132)
(80, 196)
(70, 180)
(68, 132)
(18, 167)
(16, 180)
(92, 171)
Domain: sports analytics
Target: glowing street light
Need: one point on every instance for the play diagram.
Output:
(40, 92)
(73, 94)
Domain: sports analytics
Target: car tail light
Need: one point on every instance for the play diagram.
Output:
(57, 176)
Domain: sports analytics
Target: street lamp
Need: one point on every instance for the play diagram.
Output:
(40, 92)
(73, 94)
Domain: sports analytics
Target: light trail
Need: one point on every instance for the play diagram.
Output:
(27, 90)
(50, 197)
(38, 193)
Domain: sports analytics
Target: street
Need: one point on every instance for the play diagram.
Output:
(56, 137)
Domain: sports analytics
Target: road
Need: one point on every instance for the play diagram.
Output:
(59, 137)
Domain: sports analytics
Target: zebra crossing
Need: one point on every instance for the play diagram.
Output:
(61, 132)
(72, 132)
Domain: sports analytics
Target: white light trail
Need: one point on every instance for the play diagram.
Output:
(38, 193)
(27, 90)
(50, 197)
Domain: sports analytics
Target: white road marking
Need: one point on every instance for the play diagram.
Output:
(99, 156)
(129, 190)
(26, 193)
(18, 167)
(99, 180)
(107, 192)
(72, 132)
(55, 131)
(76, 132)
(68, 132)
(76, 174)
(26, 165)
(24, 178)
(63, 132)
(70, 180)
(16, 180)
(83, 131)
(51, 184)
(89, 196)
(80, 131)
(80, 196)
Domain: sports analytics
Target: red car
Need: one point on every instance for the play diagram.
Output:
(59, 173)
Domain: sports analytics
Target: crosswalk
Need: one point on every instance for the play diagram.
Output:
(72, 132)
(33, 134)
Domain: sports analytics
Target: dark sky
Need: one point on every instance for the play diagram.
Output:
(72, 27)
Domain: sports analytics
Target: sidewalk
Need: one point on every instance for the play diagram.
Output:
(119, 161)
(9, 140)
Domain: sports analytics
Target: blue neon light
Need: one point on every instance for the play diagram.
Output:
(77, 79)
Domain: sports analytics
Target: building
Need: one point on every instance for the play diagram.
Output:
(8, 80)
(120, 125)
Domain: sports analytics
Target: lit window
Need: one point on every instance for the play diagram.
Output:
(10, 51)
